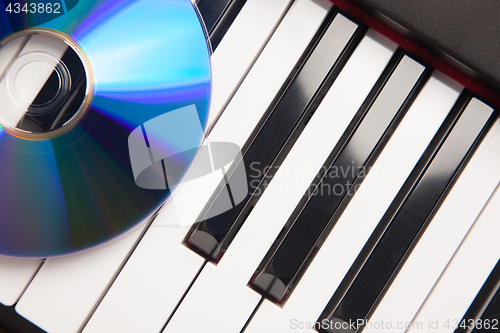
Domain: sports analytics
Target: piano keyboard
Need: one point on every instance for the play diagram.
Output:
(374, 207)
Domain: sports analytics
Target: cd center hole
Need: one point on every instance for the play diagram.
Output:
(26, 82)
(45, 86)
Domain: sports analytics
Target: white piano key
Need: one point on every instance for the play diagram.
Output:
(288, 43)
(15, 275)
(222, 289)
(149, 286)
(240, 47)
(66, 289)
(159, 271)
(465, 274)
(360, 218)
(444, 234)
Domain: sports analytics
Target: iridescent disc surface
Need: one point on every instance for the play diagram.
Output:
(101, 171)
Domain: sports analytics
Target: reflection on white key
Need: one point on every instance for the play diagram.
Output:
(240, 47)
(220, 297)
(465, 274)
(66, 289)
(365, 210)
(443, 236)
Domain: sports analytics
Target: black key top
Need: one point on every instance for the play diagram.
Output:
(483, 314)
(212, 11)
(280, 127)
(218, 16)
(11, 322)
(407, 218)
(225, 22)
(490, 320)
(350, 161)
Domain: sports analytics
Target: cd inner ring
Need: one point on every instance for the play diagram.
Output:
(20, 72)
(46, 86)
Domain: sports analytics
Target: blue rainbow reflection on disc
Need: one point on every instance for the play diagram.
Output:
(150, 86)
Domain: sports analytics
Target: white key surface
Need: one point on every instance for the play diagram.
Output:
(66, 289)
(15, 275)
(159, 270)
(240, 47)
(465, 274)
(149, 286)
(220, 296)
(444, 234)
(365, 210)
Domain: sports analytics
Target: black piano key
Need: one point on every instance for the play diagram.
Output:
(280, 128)
(350, 161)
(212, 11)
(225, 22)
(11, 322)
(407, 218)
(490, 320)
(218, 16)
(484, 312)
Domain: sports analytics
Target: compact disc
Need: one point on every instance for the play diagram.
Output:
(96, 97)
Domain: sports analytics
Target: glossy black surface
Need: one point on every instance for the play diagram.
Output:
(391, 96)
(431, 181)
(212, 11)
(11, 322)
(218, 16)
(225, 22)
(492, 314)
(485, 308)
(266, 149)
